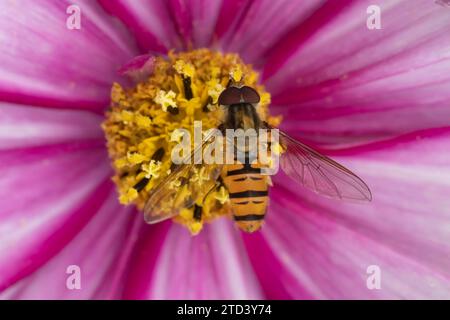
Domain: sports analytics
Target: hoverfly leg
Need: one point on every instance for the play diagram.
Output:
(198, 210)
(217, 185)
(222, 129)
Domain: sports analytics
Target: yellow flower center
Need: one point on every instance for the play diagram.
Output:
(144, 123)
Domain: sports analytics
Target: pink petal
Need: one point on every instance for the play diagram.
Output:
(195, 20)
(267, 266)
(44, 63)
(138, 68)
(47, 194)
(149, 21)
(296, 38)
(230, 14)
(22, 126)
(327, 245)
(95, 250)
(374, 83)
(258, 25)
(204, 15)
(212, 265)
(176, 24)
(181, 15)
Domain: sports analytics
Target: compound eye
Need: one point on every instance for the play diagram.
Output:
(229, 96)
(250, 95)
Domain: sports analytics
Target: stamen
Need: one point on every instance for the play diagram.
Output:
(141, 184)
(187, 88)
(197, 212)
(173, 110)
(207, 107)
(157, 156)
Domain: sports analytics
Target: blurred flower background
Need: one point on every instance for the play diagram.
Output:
(377, 101)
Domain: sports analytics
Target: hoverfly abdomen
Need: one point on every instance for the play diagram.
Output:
(248, 192)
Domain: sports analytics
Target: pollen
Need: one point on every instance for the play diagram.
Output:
(236, 73)
(129, 196)
(277, 149)
(184, 68)
(200, 177)
(221, 195)
(195, 227)
(147, 120)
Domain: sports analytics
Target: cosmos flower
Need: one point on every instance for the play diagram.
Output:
(377, 101)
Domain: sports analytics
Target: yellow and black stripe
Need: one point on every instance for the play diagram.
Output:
(248, 191)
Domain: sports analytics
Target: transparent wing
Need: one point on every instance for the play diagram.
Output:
(319, 173)
(181, 188)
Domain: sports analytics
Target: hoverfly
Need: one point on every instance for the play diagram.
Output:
(246, 186)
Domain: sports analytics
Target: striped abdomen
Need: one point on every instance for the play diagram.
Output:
(248, 191)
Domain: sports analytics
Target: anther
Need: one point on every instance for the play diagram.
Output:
(172, 110)
(187, 88)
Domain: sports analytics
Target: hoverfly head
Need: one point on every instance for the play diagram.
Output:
(239, 95)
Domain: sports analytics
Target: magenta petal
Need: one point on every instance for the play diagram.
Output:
(266, 264)
(204, 14)
(148, 246)
(22, 127)
(181, 15)
(328, 245)
(47, 194)
(212, 265)
(375, 83)
(256, 26)
(297, 37)
(195, 20)
(95, 250)
(149, 21)
(230, 14)
(44, 63)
